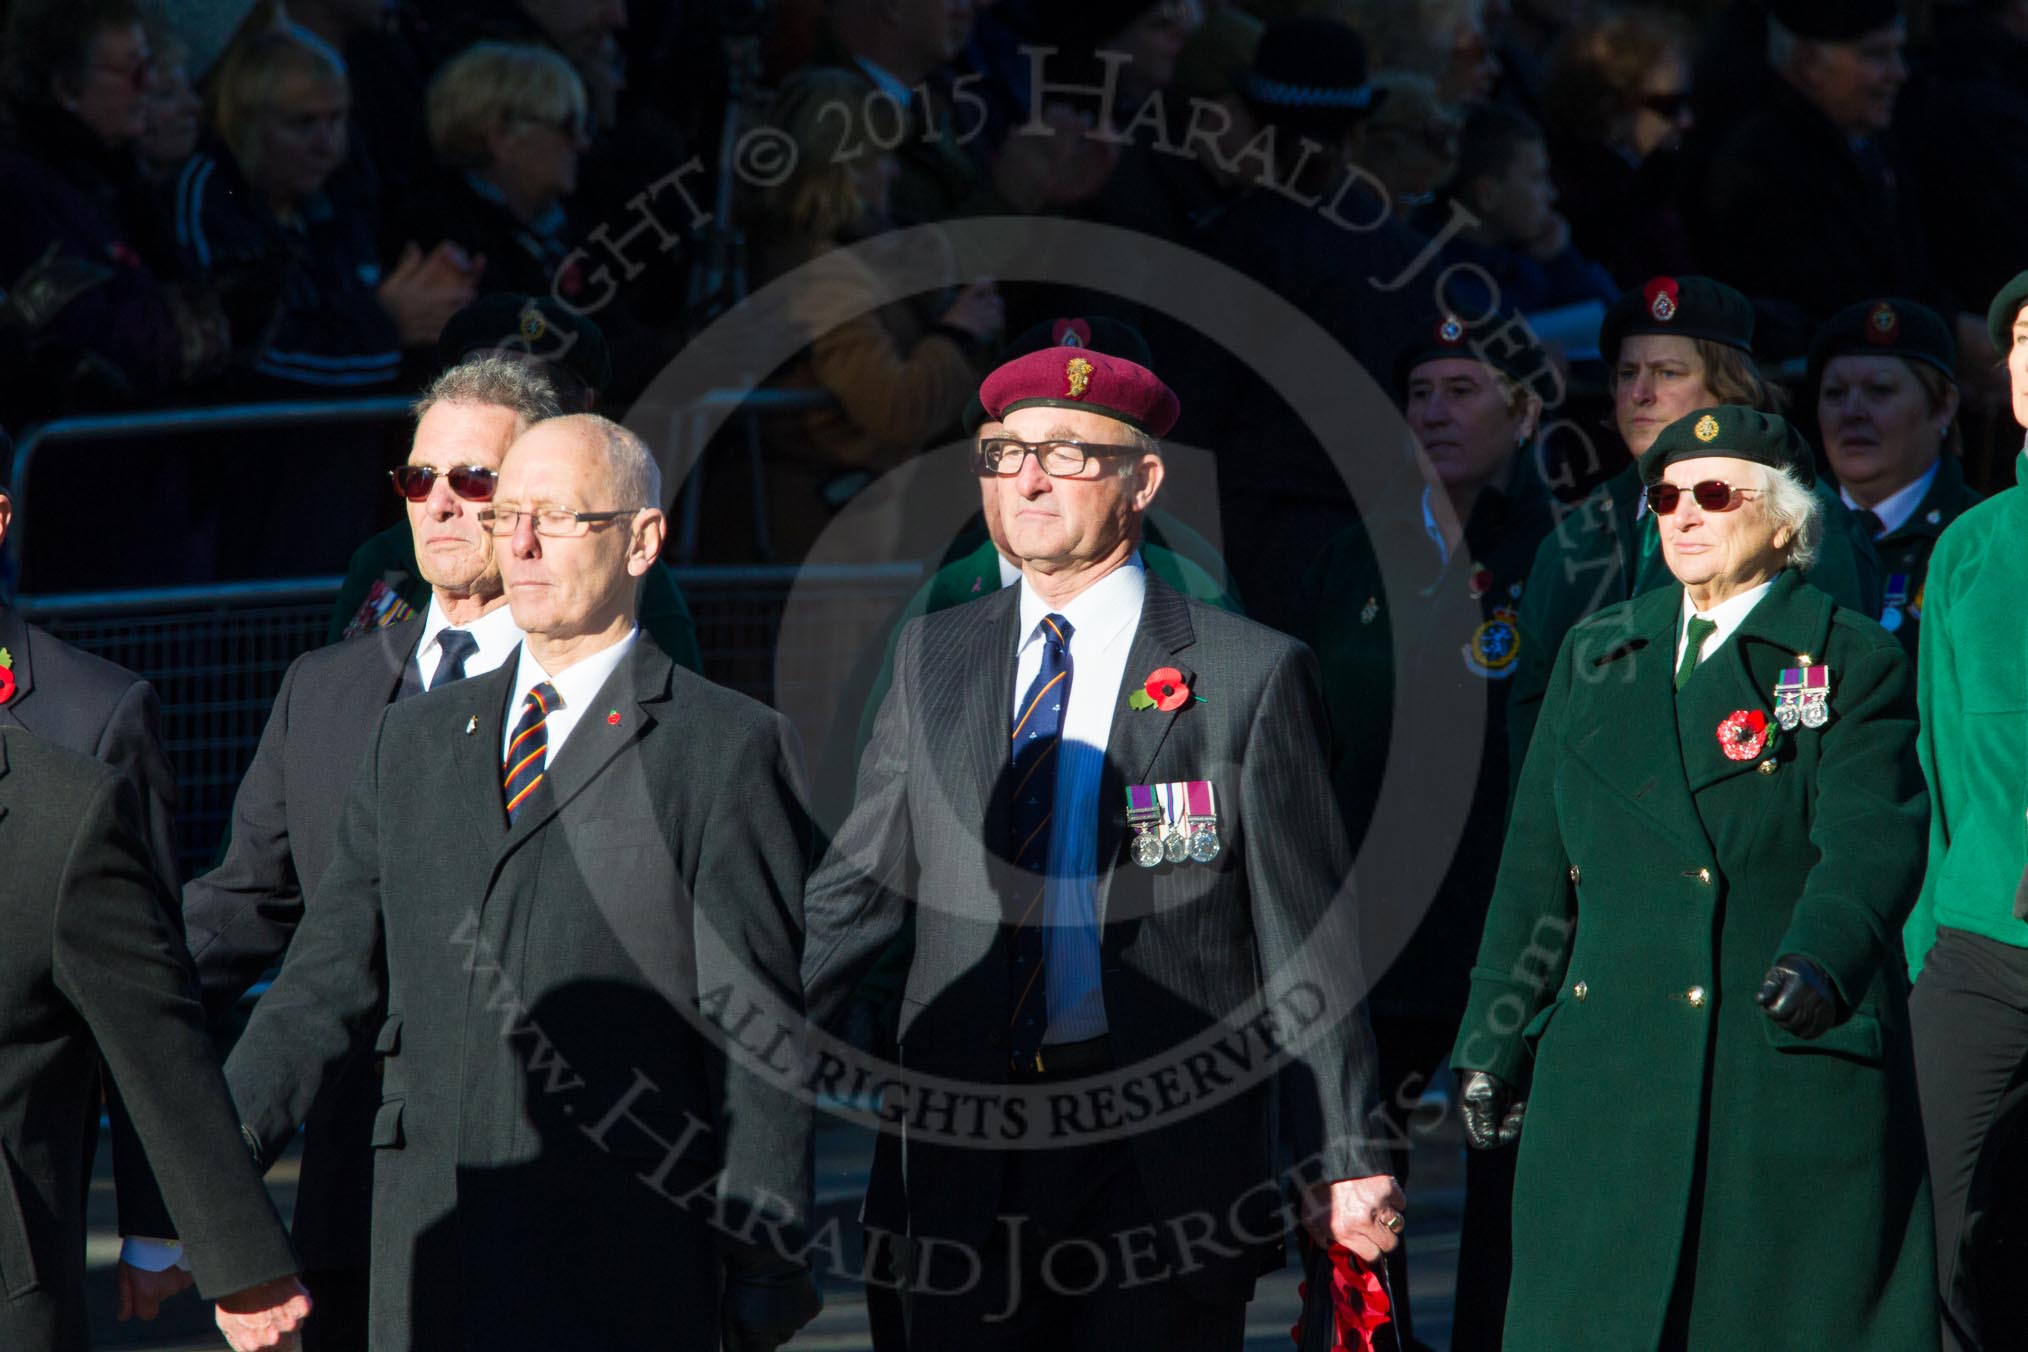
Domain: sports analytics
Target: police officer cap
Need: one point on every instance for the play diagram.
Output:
(1835, 20)
(1310, 72)
(1100, 333)
(534, 326)
(1689, 307)
(1502, 342)
(1082, 378)
(2006, 308)
(1731, 430)
(1887, 327)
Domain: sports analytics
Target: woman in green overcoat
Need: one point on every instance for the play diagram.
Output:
(1688, 1005)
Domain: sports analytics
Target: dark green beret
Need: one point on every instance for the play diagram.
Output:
(1503, 342)
(534, 326)
(1688, 307)
(1834, 20)
(2005, 309)
(1888, 327)
(1731, 430)
(1100, 333)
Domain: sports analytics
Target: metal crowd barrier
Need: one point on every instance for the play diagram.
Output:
(216, 655)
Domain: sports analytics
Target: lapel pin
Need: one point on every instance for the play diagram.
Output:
(613, 718)
(471, 725)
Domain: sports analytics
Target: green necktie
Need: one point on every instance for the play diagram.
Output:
(1694, 635)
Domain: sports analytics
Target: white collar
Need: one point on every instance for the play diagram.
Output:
(1727, 615)
(1097, 613)
(494, 632)
(1010, 572)
(1895, 509)
(575, 684)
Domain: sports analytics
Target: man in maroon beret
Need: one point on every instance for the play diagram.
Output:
(1107, 812)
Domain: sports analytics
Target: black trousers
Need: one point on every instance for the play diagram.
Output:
(1056, 1275)
(1969, 1017)
(338, 1320)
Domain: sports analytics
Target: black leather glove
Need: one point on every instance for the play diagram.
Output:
(765, 1305)
(1493, 1110)
(1799, 997)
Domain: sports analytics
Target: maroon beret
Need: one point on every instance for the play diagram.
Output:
(1079, 377)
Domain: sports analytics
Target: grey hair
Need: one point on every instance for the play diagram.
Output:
(630, 466)
(501, 382)
(1789, 504)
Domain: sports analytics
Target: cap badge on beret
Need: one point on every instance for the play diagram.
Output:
(533, 326)
(1451, 331)
(1071, 333)
(1664, 299)
(1883, 323)
(1078, 372)
(1706, 428)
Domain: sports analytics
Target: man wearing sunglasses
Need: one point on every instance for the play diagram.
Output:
(561, 861)
(992, 814)
(239, 917)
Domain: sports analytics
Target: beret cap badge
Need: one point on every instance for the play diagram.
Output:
(1078, 372)
(1663, 296)
(533, 326)
(1707, 428)
(1451, 330)
(1883, 324)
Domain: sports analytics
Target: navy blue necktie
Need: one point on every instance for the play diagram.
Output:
(454, 648)
(1038, 727)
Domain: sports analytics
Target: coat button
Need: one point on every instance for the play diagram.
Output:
(1704, 876)
(1573, 873)
(1767, 767)
(1695, 995)
(1580, 990)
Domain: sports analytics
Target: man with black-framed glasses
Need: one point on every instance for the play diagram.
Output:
(240, 917)
(559, 862)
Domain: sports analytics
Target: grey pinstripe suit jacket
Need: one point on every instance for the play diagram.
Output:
(1185, 949)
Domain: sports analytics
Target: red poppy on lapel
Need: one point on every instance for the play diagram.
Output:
(1743, 734)
(1165, 687)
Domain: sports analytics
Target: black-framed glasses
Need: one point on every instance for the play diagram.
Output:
(473, 483)
(1059, 459)
(558, 523)
(1713, 495)
(1668, 106)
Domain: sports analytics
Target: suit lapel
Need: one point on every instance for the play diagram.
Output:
(14, 638)
(476, 771)
(3, 781)
(1635, 691)
(989, 704)
(1789, 622)
(1137, 735)
(641, 683)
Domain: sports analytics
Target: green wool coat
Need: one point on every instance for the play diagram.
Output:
(1974, 698)
(1691, 1176)
(1905, 551)
(1593, 559)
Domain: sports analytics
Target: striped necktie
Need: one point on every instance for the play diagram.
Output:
(1037, 730)
(528, 753)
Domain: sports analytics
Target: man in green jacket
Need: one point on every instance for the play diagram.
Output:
(1967, 939)
(1675, 344)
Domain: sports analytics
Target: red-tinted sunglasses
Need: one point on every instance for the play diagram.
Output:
(473, 483)
(1713, 495)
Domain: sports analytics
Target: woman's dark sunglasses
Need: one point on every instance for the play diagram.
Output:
(473, 483)
(1713, 495)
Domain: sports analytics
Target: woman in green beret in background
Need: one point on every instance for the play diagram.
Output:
(1688, 1006)
(1967, 940)
(1415, 659)
(1885, 373)
(1670, 345)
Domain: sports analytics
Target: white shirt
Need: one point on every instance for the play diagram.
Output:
(1010, 572)
(1727, 615)
(574, 691)
(1103, 619)
(1896, 507)
(494, 632)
